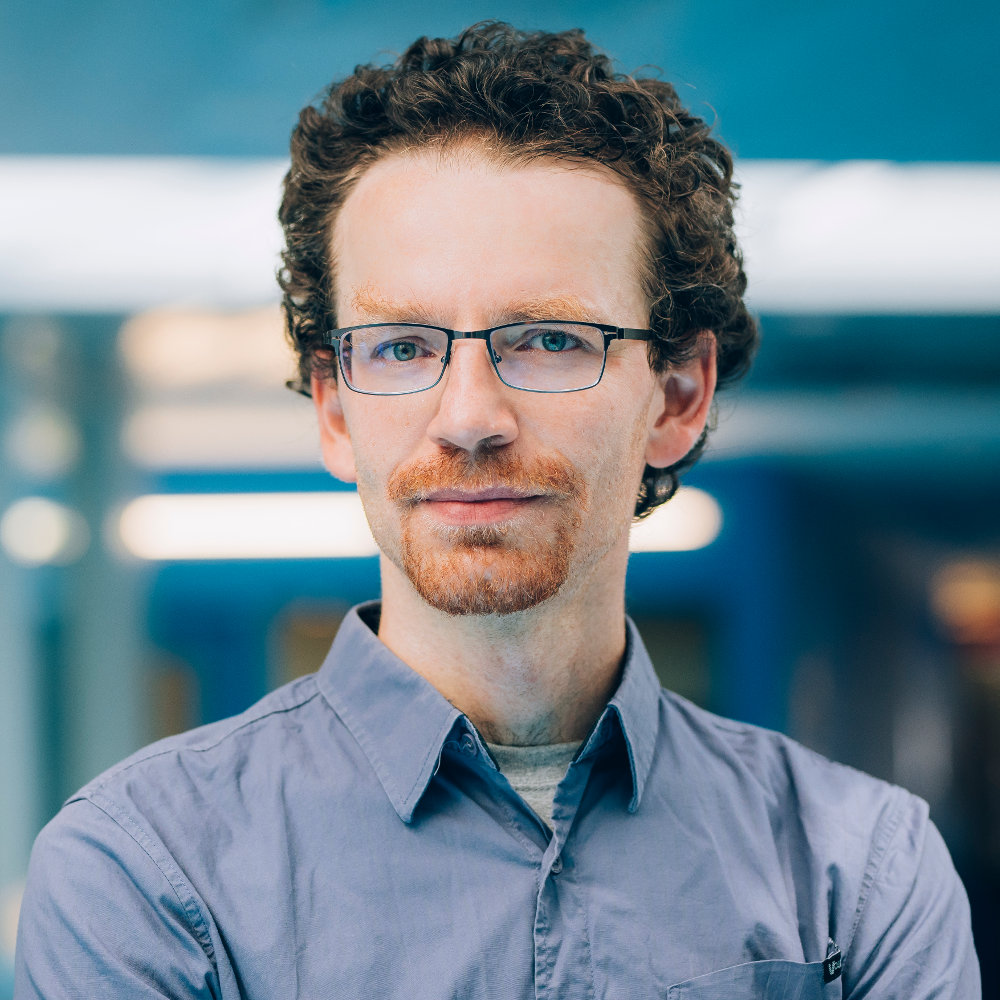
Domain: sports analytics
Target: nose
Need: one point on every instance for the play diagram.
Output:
(474, 409)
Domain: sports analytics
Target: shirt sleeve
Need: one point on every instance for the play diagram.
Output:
(913, 933)
(102, 916)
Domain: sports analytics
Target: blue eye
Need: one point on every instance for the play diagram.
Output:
(404, 352)
(399, 350)
(555, 340)
(552, 341)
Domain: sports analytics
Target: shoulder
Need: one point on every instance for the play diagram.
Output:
(122, 871)
(226, 782)
(833, 819)
(862, 855)
(213, 750)
(772, 765)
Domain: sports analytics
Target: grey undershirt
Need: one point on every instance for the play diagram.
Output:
(534, 772)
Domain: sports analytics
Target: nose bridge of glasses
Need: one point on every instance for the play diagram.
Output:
(483, 335)
(471, 334)
(454, 348)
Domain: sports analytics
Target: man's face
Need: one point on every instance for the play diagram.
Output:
(490, 499)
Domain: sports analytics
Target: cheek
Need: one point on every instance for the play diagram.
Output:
(380, 435)
(371, 458)
(621, 428)
(620, 462)
(612, 465)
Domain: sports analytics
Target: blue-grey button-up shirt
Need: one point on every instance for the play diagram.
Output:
(350, 836)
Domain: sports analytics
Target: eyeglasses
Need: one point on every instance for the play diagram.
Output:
(390, 359)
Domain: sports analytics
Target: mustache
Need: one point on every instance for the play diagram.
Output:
(548, 476)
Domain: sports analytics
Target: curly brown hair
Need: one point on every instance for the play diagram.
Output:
(531, 95)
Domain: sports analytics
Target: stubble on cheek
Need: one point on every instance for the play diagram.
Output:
(496, 569)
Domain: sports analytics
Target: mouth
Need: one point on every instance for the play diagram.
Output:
(494, 492)
(487, 495)
(459, 507)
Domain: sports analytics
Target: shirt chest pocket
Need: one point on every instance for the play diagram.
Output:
(770, 980)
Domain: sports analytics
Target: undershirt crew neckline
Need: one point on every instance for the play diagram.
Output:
(535, 772)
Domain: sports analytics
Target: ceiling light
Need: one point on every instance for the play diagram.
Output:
(691, 520)
(245, 526)
(35, 531)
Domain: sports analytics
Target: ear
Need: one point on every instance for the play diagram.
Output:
(334, 438)
(681, 405)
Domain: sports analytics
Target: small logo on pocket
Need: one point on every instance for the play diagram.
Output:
(833, 965)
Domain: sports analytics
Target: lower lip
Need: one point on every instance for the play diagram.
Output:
(463, 512)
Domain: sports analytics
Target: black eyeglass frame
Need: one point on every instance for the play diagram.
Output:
(332, 338)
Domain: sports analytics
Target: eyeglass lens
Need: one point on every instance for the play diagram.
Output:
(543, 357)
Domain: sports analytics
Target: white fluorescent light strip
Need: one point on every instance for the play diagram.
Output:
(245, 526)
(122, 234)
(691, 520)
(870, 236)
(222, 526)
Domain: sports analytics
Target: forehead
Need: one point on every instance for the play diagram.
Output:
(443, 232)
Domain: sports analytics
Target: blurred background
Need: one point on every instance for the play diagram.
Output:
(171, 549)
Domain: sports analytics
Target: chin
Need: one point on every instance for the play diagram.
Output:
(513, 580)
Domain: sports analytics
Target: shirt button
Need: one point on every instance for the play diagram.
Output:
(556, 865)
(467, 744)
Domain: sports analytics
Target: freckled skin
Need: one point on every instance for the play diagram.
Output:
(465, 243)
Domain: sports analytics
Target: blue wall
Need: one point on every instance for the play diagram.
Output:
(883, 79)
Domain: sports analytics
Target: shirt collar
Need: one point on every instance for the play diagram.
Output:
(401, 721)
(636, 708)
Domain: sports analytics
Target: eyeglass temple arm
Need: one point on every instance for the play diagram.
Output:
(303, 388)
(628, 333)
(297, 385)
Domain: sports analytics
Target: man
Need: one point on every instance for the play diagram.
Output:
(512, 283)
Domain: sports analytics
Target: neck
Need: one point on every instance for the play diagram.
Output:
(538, 676)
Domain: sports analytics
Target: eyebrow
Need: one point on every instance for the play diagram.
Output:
(374, 305)
(371, 303)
